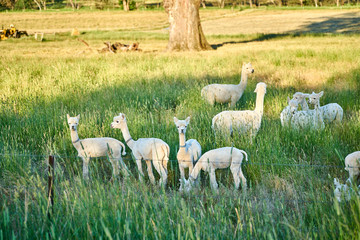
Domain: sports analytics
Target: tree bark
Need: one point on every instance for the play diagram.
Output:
(126, 5)
(185, 31)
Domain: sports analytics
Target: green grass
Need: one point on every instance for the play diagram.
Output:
(37, 90)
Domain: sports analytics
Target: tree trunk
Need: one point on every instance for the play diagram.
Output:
(221, 3)
(38, 4)
(185, 31)
(316, 3)
(250, 2)
(126, 5)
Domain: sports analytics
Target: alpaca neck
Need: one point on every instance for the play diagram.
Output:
(304, 105)
(243, 81)
(260, 103)
(182, 141)
(75, 138)
(127, 137)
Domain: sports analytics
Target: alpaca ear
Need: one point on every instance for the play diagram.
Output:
(68, 116)
(175, 120)
(78, 116)
(306, 95)
(187, 120)
(288, 100)
(122, 116)
(321, 93)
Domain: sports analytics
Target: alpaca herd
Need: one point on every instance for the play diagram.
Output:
(155, 152)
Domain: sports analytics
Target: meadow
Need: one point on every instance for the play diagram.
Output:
(290, 174)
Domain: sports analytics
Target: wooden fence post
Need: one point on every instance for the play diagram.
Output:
(51, 180)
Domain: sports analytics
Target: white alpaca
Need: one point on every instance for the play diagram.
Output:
(352, 165)
(341, 191)
(149, 149)
(247, 121)
(301, 99)
(218, 159)
(286, 114)
(189, 151)
(311, 119)
(227, 93)
(331, 112)
(97, 147)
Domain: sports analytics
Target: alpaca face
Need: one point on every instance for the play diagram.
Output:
(314, 98)
(300, 97)
(119, 121)
(73, 122)
(293, 104)
(182, 124)
(247, 67)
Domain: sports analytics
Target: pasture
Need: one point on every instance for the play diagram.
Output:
(290, 174)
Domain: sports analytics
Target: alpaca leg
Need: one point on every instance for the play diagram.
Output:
(85, 168)
(243, 179)
(138, 159)
(124, 169)
(213, 182)
(235, 172)
(150, 172)
(182, 177)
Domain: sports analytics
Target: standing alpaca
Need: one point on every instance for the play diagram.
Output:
(218, 159)
(311, 119)
(225, 93)
(286, 114)
(189, 151)
(246, 121)
(301, 99)
(97, 147)
(331, 112)
(352, 165)
(149, 149)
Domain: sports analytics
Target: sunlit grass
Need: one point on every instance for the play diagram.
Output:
(40, 82)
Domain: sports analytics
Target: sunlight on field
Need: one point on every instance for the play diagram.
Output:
(290, 173)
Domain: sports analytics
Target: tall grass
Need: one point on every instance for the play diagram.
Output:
(282, 201)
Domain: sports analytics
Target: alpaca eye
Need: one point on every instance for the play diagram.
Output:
(117, 121)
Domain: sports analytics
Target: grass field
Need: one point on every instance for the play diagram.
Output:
(290, 175)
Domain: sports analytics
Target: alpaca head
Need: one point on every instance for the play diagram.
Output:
(260, 88)
(300, 97)
(293, 104)
(119, 121)
(314, 98)
(73, 122)
(182, 124)
(247, 68)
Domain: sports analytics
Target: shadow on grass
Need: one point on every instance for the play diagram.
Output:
(346, 23)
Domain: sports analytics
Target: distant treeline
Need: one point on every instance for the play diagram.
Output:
(144, 4)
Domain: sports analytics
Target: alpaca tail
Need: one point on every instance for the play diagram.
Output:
(245, 154)
(339, 114)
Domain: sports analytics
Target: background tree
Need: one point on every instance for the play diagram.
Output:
(185, 28)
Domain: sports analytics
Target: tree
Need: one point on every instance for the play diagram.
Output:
(185, 28)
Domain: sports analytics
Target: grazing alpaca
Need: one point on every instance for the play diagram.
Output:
(189, 151)
(149, 149)
(218, 159)
(331, 112)
(286, 114)
(311, 119)
(97, 147)
(301, 99)
(246, 121)
(225, 93)
(352, 165)
(341, 191)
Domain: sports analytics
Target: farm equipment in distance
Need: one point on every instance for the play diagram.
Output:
(11, 32)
